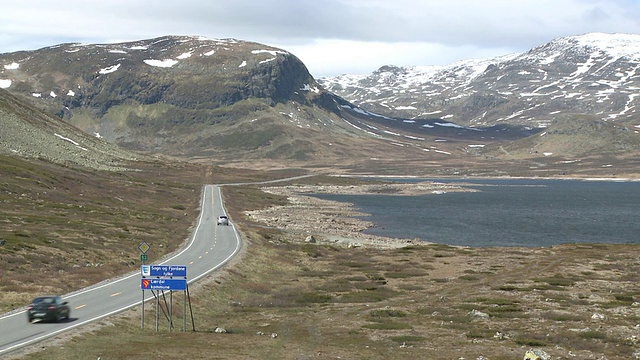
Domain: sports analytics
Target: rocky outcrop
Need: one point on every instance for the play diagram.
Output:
(162, 94)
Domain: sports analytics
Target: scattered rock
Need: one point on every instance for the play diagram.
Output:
(536, 354)
(598, 316)
(220, 330)
(310, 239)
(476, 314)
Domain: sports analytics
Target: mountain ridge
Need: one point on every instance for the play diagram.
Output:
(233, 101)
(204, 98)
(594, 73)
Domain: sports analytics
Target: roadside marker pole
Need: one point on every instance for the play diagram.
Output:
(170, 310)
(142, 322)
(157, 314)
(193, 324)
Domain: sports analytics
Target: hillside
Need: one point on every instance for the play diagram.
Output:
(218, 100)
(30, 133)
(593, 74)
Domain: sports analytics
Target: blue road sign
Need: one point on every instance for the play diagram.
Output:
(163, 284)
(164, 270)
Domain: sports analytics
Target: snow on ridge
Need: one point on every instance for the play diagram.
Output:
(5, 83)
(185, 55)
(71, 141)
(364, 112)
(12, 66)
(307, 87)
(463, 71)
(615, 45)
(166, 63)
(109, 69)
(272, 52)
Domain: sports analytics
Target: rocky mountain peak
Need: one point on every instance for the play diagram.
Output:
(103, 75)
(594, 74)
(144, 93)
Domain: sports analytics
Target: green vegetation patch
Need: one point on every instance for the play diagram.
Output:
(408, 339)
(556, 281)
(387, 325)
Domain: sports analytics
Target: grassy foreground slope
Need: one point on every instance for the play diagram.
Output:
(287, 299)
(68, 227)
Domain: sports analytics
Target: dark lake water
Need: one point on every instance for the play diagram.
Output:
(519, 212)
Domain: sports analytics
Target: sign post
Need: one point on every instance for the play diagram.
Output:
(143, 247)
(161, 278)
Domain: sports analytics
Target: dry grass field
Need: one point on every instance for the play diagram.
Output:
(287, 299)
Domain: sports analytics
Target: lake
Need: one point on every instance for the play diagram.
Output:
(509, 212)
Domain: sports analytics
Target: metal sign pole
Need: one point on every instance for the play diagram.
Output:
(142, 321)
(184, 312)
(170, 310)
(157, 314)
(143, 247)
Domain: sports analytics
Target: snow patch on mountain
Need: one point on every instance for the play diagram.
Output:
(596, 74)
(166, 63)
(12, 66)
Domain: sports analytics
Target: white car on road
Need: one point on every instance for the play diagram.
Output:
(223, 220)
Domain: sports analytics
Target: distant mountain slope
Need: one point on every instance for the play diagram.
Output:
(178, 95)
(212, 99)
(594, 74)
(573, 137)
(29, 133)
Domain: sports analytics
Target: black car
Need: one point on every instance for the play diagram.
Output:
(48, 308)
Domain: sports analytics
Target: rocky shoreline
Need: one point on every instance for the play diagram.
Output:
(311, 219)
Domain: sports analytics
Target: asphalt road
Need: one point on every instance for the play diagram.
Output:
(210, 247)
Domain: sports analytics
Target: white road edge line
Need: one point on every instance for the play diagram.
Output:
(35, 340)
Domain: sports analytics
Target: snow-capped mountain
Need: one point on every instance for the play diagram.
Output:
(595, 74)
(194, 97)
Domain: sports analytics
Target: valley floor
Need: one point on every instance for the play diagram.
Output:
(323, 290)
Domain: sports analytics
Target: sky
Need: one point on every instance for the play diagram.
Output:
(331, 37)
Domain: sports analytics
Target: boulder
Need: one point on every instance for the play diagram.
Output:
(476, 314)
(536, 354)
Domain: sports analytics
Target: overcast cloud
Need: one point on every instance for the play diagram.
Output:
(330, 36)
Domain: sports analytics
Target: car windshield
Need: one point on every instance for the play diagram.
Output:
(44, 300)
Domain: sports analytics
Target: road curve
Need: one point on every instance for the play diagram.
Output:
(210, 247)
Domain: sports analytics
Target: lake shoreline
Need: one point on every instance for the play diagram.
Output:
(310, 217)
(338, 223)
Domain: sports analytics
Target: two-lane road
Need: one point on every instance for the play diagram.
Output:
(210, 247)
